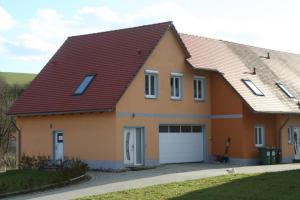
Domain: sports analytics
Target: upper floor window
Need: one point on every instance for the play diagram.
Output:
(199, 88)
(151, 84)
(259, 136)
(176, 85)
(253, 87)
(285, 90)
(84, 84)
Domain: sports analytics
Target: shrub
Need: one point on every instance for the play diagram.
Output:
(34, 162)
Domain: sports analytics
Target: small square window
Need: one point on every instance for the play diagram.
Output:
(186, 129)
(174, 129)
(163, 129)
(197, 129)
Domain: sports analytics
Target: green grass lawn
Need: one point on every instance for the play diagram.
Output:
(275, 186)
(16, 180)
(17, 78)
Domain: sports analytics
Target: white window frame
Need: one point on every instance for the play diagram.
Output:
(254, 89)
(150, 73)
(285, 90)
(256, 136)
(290, 135)
(202, 80)
(175, 75)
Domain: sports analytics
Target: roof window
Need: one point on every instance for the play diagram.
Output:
(84, 84)
(285, 90)
(253, 87)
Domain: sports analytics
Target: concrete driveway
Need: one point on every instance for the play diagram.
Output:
(108, 182)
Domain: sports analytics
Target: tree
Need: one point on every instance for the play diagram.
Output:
(8, 95)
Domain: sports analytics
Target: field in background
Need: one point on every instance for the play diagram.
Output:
(17, 78)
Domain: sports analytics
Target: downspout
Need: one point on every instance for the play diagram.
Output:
(18, 157)
(279, 143)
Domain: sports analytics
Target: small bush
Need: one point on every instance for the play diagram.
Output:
(34, 162)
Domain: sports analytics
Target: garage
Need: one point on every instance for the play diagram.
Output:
(181, 143)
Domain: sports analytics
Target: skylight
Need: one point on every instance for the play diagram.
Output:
(253, 87)
(84, 84)
(285, 90)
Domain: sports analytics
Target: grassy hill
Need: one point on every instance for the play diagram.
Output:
(17, 78)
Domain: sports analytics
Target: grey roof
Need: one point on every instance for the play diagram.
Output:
(236, 62)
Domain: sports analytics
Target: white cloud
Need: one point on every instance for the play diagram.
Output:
(6, 21)
(271, 24)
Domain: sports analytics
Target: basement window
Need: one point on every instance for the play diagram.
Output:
(84, 84)
(253, 87)
(285, 90)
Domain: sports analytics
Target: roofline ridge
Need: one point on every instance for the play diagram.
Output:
(122, 29)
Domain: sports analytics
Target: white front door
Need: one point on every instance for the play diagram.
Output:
(296, 135)
(58, 146)
(133, 146)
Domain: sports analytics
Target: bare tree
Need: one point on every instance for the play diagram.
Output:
(8, 95)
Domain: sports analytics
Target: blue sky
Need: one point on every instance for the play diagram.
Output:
(32, 30)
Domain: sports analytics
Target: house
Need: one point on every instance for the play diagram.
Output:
(148, 95)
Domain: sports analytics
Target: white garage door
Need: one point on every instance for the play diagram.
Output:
(180, 143)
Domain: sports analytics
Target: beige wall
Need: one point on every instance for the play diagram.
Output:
(167, 57)
(86, 136)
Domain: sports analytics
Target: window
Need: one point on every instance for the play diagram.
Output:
(176, 85)
(84, 84)
(290, 135)
(285, 90)
(180, 128)
(175, 129)
(259, 136)
(151, 84)
(199, 86)
(252, 87)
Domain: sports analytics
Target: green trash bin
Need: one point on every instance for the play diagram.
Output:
(265, 155)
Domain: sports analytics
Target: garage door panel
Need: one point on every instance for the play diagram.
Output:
(180, 147)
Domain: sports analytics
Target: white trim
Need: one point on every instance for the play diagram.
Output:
(176, 74)
(262, 128)
(149, 95)
(203, 85)
(173, 90)
(150, 71)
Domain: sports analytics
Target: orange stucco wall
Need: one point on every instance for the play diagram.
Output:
(225, 101)
(86, 136)
(241, 131)
(166, 58)
(250, 120)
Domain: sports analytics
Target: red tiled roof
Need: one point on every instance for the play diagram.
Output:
(114, 56)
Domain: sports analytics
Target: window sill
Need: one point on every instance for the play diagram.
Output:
(199, 100)
(150, 97)
(259, 145)
(176, 98)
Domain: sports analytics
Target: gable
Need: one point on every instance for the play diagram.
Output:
(114, 57)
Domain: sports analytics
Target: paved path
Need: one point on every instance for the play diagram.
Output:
(108, 182)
